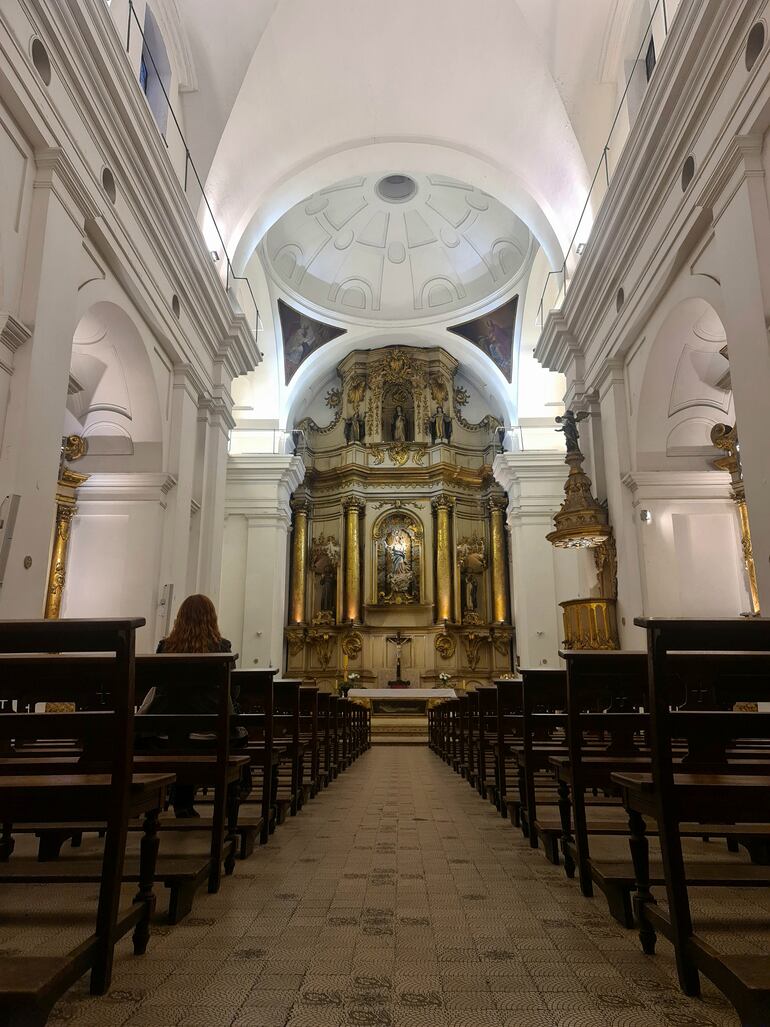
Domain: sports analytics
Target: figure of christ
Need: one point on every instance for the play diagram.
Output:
(399, 641)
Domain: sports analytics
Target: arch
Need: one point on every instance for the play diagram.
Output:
(113, 398)
(397, 559)
(684, 389)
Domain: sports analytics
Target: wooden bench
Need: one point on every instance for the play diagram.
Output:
(509, 727)
(286, 738)
(104, 787)
(254, 691)
(703, 787)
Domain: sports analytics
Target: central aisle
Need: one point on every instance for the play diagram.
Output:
(397, 898)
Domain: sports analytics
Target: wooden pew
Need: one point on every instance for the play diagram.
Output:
(486, 740)
(207, 763)
(254, 693)
(286, 738)
(509, 726)
(103, 786)
(708, 785)
(324, 738)
(308, 735)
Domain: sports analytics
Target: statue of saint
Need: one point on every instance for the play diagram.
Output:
(328, 588)
(569, 422)
(440, 426)
(399, 426)
(471, 593)
(355, 428)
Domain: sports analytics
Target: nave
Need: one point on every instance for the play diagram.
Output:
(397, 898)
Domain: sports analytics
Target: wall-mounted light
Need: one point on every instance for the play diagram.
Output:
(580, 249)
(214, 255)
(645, 516)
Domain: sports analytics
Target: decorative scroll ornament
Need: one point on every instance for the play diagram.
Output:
(606, 560)
(418, 456)
(356, 390)
(445, 645)
(295, 638)
(378, 454)
(399, 453)
(75, 447)
(501, 640)
(461, 396)
(333, 398)
(438, 390)
(582, 522)
(472, 641)
(307, 424)
(352, 644)
(321, 643)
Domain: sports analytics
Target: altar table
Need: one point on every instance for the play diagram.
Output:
(402, 700)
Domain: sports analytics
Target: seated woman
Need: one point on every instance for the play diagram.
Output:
(196, 630)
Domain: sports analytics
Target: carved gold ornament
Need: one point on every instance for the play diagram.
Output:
(472, 641)
(397, 367)
(321, 643)
(461, 396)
(333, 398)
(418, 457)
(438, 390)
(399, 453)
(356, 390)
(472, 554)
(75, 447)
(352, 645)
(501, 640)
(378, 454)
(295, 638)
(445, 645)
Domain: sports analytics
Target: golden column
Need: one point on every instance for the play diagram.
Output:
(497, 508)
(73, 448)
(301, 509)
(443, 506)
(725, 437)
(353, 507)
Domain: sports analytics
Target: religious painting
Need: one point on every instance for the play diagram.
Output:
(398, 552)
(493, 334)
(302, 335)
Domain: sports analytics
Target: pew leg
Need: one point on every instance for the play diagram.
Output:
(732, 844)
(50, 843)
(233, 808)
(180, 901)
(565, 815)
(640, 857)
(619, 904)
(148, 858)
(757, 848)
(7, 844)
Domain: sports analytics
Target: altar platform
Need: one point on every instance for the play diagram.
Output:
(407, 702)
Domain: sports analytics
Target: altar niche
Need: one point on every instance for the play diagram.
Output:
(398, 540)
(398, 414)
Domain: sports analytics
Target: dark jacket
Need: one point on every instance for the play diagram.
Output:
(193, 700)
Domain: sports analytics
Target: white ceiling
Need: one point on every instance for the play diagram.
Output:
(349, 252)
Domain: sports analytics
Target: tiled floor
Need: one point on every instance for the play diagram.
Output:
(398, 898)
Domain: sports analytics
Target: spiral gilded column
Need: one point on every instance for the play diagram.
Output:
(497, 546)
(444, 563)
(301, 509)
(353, 507)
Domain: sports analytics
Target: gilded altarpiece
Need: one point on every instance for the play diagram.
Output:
(398, 527)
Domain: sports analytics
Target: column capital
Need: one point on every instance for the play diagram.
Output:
(13, 333)
(55, 171)
(300, 505)
(497, 503)
(443, 503)
(353, 503)
(741, 160)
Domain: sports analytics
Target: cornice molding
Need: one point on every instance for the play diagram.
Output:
(678, 485)
(265, 468)
(139, 486)
(13, 334)
(54, 167)
(742, 160)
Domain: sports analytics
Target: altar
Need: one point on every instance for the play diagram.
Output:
(404, 701)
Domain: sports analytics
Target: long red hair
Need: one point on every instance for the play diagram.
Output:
(195, 629)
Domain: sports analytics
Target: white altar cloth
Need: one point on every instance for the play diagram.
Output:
(402, 693)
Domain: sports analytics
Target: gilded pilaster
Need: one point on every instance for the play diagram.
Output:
(444, 563)
(301, 509)
(73, 448)
(497, 507)
(353, 507)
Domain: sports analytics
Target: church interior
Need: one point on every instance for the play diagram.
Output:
(384, 513)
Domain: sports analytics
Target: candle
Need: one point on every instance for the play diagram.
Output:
(345, 664)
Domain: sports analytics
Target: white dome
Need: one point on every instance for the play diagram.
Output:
(398, 248)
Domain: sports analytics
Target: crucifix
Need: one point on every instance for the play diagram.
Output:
(399, 641)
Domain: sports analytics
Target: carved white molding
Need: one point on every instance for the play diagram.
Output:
(678, 485)
(13, 334)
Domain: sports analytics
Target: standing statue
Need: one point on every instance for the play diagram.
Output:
(471, 593)
(569, 422)
(440, 426)
(355, 428)
(399, 426)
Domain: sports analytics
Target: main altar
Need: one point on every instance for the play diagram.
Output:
(399, 554)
